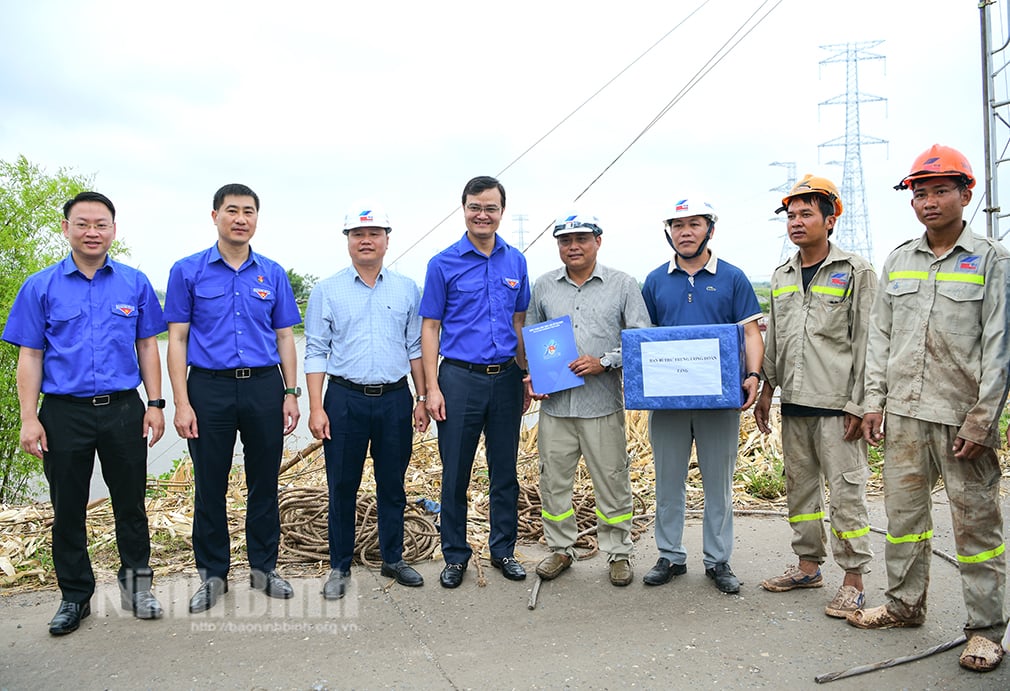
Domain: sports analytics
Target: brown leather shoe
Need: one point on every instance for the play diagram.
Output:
(551, 567)
(620, 572)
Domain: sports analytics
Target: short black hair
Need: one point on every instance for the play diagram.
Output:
(821, 201)
(89, 197)
(234, 189)
(480, 183)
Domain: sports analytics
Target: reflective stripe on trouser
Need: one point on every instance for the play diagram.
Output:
(918, 452)
(603, 443)
(716, 433)
(814, 451)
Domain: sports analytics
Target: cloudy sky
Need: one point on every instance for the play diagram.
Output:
(315, 105)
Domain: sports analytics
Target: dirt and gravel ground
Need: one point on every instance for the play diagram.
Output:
(584, 632)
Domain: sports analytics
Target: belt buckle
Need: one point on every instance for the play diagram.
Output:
(104, 399)
(492, 369)
(373, 390)
(243, 373)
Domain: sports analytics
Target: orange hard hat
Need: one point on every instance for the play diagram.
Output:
(939, 162)
(811, 184)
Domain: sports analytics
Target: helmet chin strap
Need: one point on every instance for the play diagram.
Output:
(701, 248)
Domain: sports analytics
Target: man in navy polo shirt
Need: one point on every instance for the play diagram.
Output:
(696, 288)
(363, 333)
(87, 330)
(473, 307)
(230, 313)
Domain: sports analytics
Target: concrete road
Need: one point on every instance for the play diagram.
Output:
(584, 632)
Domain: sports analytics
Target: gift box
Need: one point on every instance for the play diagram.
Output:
(683, 367)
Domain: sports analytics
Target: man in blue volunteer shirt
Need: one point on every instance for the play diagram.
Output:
(230, 313)
(87, 331)
(363, 332)
(474, 304)
(696, 288)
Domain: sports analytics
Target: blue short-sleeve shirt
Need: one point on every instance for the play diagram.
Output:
(475, 296)
(87, 329)
(717, 294)
(232, 314)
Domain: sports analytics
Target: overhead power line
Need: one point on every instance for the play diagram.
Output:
(562, 121)
(725, 49)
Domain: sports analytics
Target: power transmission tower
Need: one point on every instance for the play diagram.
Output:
(996, 109)
(852, 231)
(784, 188)
(520, 231)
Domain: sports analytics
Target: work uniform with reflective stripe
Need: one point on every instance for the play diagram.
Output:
(815, 348)
(936, 361)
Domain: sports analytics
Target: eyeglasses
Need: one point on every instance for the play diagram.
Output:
(101, 226)
(489, 209)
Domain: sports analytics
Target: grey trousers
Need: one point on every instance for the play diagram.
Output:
(716, 434)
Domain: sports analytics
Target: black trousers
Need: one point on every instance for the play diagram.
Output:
(355, 421)
(253, 408)
(75, 432)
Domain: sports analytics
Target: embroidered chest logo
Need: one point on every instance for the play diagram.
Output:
(968, 262)
(263, 294)
(710, 289)
(511, 282)
(126, 309)
(839, 280)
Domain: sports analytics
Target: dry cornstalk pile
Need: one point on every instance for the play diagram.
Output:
(25, 546)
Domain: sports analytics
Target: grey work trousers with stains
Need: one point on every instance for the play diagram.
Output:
(917, 453)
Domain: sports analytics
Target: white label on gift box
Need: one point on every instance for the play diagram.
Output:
(681, 368)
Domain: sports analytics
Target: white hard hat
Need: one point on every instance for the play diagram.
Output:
(366, 214)
(575, 222)
(692, 206)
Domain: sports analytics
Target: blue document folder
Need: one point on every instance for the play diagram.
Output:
(550, 347)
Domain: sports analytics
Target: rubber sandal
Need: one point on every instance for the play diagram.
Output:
(981, 655)
(879, 618)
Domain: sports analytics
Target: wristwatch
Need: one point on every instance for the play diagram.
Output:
(607, 364)
(296, 392)
(156, 403)
(421, 398)
(753, 374)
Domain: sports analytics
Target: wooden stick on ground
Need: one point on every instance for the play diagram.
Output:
(893, 662)
(536, 591)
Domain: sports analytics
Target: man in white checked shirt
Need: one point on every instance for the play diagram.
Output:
(363, 333)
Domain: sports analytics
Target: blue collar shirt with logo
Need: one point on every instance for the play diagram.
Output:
(365, 334)
(87, 329)
(233, 315)
(475, 297)
(718, 293)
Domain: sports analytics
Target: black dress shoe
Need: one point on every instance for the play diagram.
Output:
(452, 575)
(68, 617)
(663, 571)
(403, 573)
(207, 595)
(271, 584)
(510, 568)
(143, 604)
(725, 579)
(336, 584)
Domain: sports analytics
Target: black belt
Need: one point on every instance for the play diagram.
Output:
(483, 369)
(101, 399)
(236, 373)
(369, 389)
